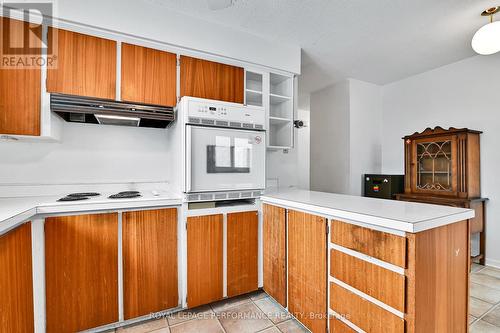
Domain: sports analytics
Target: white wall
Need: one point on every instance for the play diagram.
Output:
(147, 20)
(462, 94)
(88, 154)
(365, 124)
(330, 139)
(346, 141)
(290, 169)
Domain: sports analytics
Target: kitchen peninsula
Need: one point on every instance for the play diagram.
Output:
(372, 265)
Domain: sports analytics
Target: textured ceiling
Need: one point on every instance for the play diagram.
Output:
(378, 41)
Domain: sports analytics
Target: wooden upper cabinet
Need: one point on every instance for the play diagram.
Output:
(212, 80)
(20, 86)
(148, 75)
(16, 282)
(149, 261)
(86, 65)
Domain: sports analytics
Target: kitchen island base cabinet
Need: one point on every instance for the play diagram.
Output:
(149, 261)
(16, 282)
(204, 259)
(81, 271)
(307, 269)
(367, 279)
(242, 250)
(274, 252)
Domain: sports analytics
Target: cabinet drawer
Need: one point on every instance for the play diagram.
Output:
(337, 326)
(362, 313)
(377, 244)
(380, 283)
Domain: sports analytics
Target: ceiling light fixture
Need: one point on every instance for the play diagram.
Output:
(487, 39)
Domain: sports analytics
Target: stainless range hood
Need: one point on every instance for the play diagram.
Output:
(109, 112)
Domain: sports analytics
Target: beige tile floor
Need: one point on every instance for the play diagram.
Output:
(484, 300)
(257, 312)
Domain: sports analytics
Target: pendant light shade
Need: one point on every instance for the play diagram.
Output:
(486, 40)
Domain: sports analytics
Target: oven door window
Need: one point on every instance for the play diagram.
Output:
(220, 159)
(226, 158)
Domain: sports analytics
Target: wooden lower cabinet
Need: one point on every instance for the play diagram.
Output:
(242, 252)
(204, 259)
(381, 245)
(81, 271)
(150, 275)
(377, 281)
(363, 313)
(337, 326)
(274, 253)
(438, 279)
(307, 263)
(16, 282)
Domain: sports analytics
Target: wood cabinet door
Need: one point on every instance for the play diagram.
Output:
(149, 261)
(86, 65)
(274, 235)
(204, 259)
(307, 275)
(148, 75)
(19, 86)
(212, 80)
(434, 165)
(81, 271)
(16, 281)
(242, 252)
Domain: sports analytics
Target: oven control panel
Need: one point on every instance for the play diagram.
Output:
(217, 113)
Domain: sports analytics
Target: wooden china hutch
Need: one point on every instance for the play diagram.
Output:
(443, 167)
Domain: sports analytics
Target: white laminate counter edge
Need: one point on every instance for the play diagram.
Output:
(390, 225)
(40, 210)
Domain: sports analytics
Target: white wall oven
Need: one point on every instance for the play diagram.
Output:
(225, 150)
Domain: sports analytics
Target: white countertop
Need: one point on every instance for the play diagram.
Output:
(14, 211)
(391, 214)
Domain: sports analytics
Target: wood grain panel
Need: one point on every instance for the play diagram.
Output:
(438, 279)
(16, 282)
(149, 261)
(86, 65)
(81, 271)
(377, 244)
(242, 252)
(307, 275)
(212, 80)
(19, 87)
(204, 259)
(336, 326)
(364, 314)
(274, 235)
(473, 165)
(373, 280)
(148, 75)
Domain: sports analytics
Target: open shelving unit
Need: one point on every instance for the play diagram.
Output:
(280, 127)
(254, 94)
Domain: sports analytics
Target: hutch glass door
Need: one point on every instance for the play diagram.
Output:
(434, 165)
